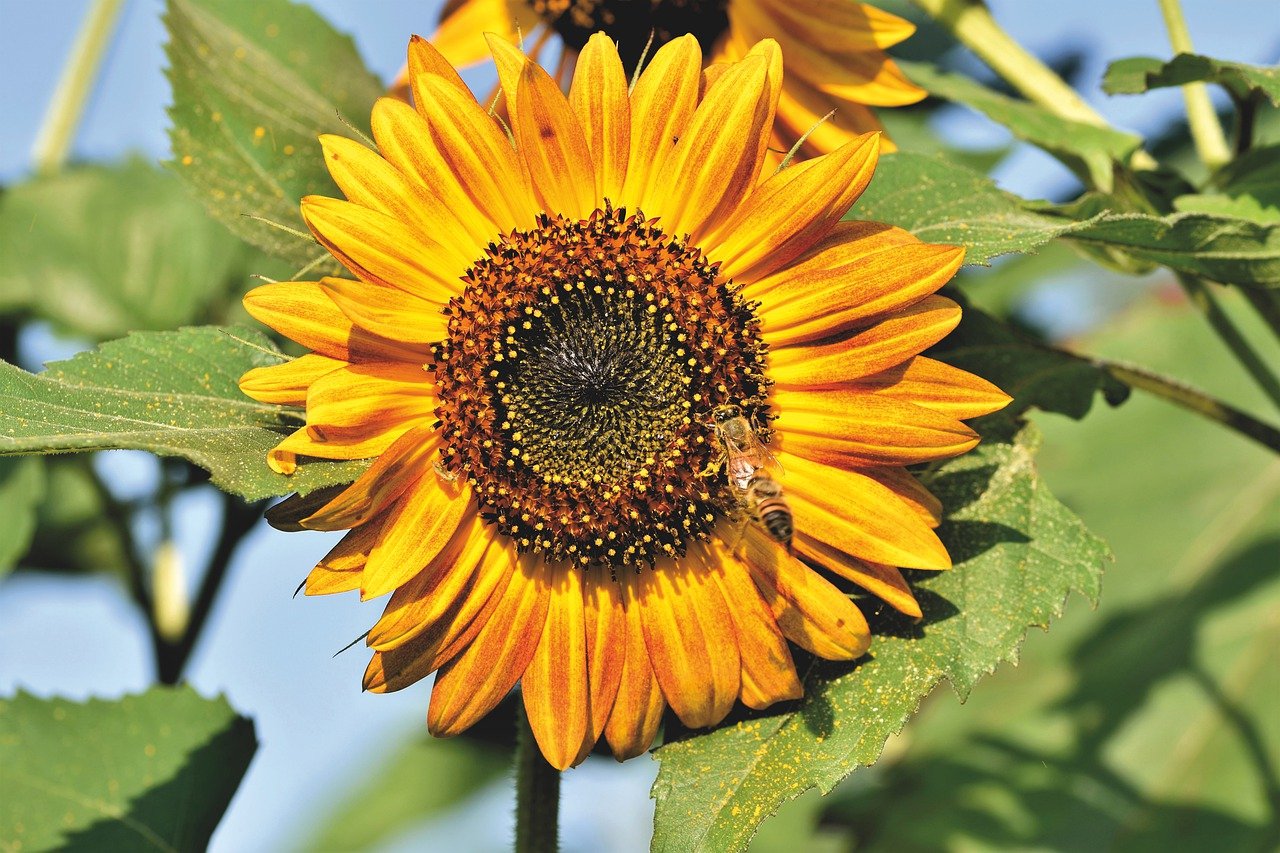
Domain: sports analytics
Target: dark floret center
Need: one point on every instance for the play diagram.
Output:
(576, 385)
(629, 22)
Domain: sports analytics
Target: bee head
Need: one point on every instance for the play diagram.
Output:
(726, 413)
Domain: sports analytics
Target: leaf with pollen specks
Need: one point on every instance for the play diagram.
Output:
(1018, 553)
(169, 393)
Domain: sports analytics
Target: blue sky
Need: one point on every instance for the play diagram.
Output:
(271, 653)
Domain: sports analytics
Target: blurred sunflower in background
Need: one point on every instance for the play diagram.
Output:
(533, 351)
(834, 50)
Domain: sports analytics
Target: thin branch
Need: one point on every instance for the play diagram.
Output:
(1201, 295)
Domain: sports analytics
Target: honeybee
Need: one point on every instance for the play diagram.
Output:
(744, 453)
(769, 508)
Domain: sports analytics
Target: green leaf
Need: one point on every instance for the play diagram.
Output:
(421, 778)
(1148, 724)
(1246, 188)
(1090, 151)
(22, 486)
(1034, 374)
(1224, 249)
(253, 85)
(1139, 74)
(150, 771)
(941, 202)
(103, 250)
(1018, 553)
(169, 393)
(74, 529)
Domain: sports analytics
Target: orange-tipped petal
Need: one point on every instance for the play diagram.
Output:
(637, 710)
(600, 101)
(554, 685)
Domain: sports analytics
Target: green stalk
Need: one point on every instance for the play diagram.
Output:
(1181, 394)
(1202, 297)
(1210, 141)
(58, 130)
(537, 793)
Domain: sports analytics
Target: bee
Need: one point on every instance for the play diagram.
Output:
(769, 509)
(744, 453)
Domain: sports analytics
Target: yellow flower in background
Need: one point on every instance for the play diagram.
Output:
(543, 350)
(834, 50)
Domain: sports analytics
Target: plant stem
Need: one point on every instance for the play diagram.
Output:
(537, 793)
(62, 117)
(1211, 142)
(1181, 394)
(238, 519)
(1267, 304)
(1201, 295)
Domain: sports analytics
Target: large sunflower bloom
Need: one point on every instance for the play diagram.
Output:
(834, 49)
(539, 329)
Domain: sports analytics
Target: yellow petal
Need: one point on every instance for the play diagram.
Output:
(939, 387)
(385, 480)
(851, 429)
(606, 643)
(426, 58)
(902, 483)
(811, 612)
(709, 171)
(470, 685)
(859, 516)
(689, 634)
(389, 312)
(554, 685)
(462, 22)
(888, 344)
(417, 528)
(552, 146)
(286, 384)
(637, 711)
(303, 312)
(599, 99)
(794, 209)
(662, 104)
(358, 411)
(768, 672)
(884, 582)
(819, 303)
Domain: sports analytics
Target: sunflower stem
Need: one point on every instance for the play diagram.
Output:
(1181, 394)
(537, 793)
(970, 21)
(58, 130)
(1201, 295)
(1206, 132)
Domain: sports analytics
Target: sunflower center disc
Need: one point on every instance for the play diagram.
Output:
(582, 363)
(629, 22)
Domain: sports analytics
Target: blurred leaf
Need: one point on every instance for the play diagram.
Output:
(1248, 188)
(911, 129)
(254, 84)
(1138, 74)
(74, 532)
(1149, 724)
(150, 771)
(1034, 374)
(422, 778)
(999, 289)
(21, 490)
(169, 393)
(1224, 249)
(1088, 150)
(1018, 553)
(103, 250)
(941, 202)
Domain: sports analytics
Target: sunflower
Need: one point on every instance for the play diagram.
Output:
(834, 50)
(546, 320)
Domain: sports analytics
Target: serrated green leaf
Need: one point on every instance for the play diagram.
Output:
(941, 202)
(422, 778)
(1138, 74)
(1034, 374)
(1089, 150)
(254, 84)
(104, 250)
(1220, 248)
(1018, 552)
(151, 771)
(21, 491)
(168, 393)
